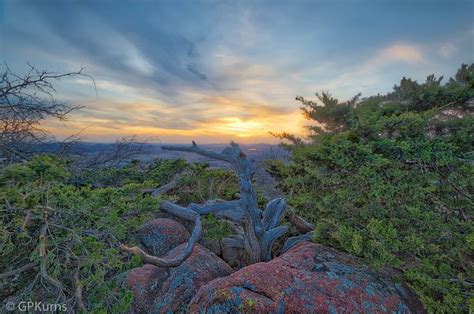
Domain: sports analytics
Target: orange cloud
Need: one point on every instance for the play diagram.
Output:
(226, 120)
(400, 52)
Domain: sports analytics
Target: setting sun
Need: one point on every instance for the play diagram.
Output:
(251, 156)
(241, 128)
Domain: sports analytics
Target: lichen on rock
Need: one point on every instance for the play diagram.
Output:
(309, 278)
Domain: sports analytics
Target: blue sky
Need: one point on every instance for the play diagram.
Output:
(220, 70)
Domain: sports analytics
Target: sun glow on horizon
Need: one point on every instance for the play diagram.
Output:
(252, 130)
(227, 71)
(240, 128)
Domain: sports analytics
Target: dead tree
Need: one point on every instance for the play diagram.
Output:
(25, 101)
(257, 229)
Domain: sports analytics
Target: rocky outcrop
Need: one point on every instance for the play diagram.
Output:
(309, 278)
(161, 290)
(161, 235)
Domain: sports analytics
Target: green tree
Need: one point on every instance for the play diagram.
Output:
(390, 179)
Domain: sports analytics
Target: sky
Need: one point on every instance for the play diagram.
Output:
(214, 71)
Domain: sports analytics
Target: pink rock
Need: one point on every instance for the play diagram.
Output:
(141, 282)
(310, 278)
(161, 235)
(163, 290)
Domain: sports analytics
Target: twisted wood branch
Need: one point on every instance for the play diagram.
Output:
(259, 229)
(19, 270)
(292, 241)
(43, 240)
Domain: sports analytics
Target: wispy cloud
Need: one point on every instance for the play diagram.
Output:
(447, 50)
(399, 52)
(225, 69)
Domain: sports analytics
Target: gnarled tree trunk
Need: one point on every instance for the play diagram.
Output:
(260, 228)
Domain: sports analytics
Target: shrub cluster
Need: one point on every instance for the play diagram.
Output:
(70, 223)
(390, 179)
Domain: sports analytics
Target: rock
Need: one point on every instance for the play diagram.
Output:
(309, 278)
(161, 235)
(141, 281)
(212, 244)
(162, 290)
(188, 225)
(158, 290)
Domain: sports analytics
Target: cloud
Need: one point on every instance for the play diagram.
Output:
(364, 76)
(145, 54)
(399, 53)
(192, 68)
(447, 50)
(222, 69)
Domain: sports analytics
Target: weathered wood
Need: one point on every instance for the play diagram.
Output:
(225, 209)
(236, 216)
(273, 213)
(268, 239)
(184, 213)
(234, 241)
(43, 254)
(253, 229)
(292, 241)
(256, 232)
(181, 212)
(195, 149)
(301, 224)
(164, 188)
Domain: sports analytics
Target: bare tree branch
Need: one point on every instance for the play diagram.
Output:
(259, 231)
(292, 241)
(230, 210)
(300, 224)
(253, 229)
(43, 238)
(19, 270)
(26, 101)
(195, 149)
(164, 188)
